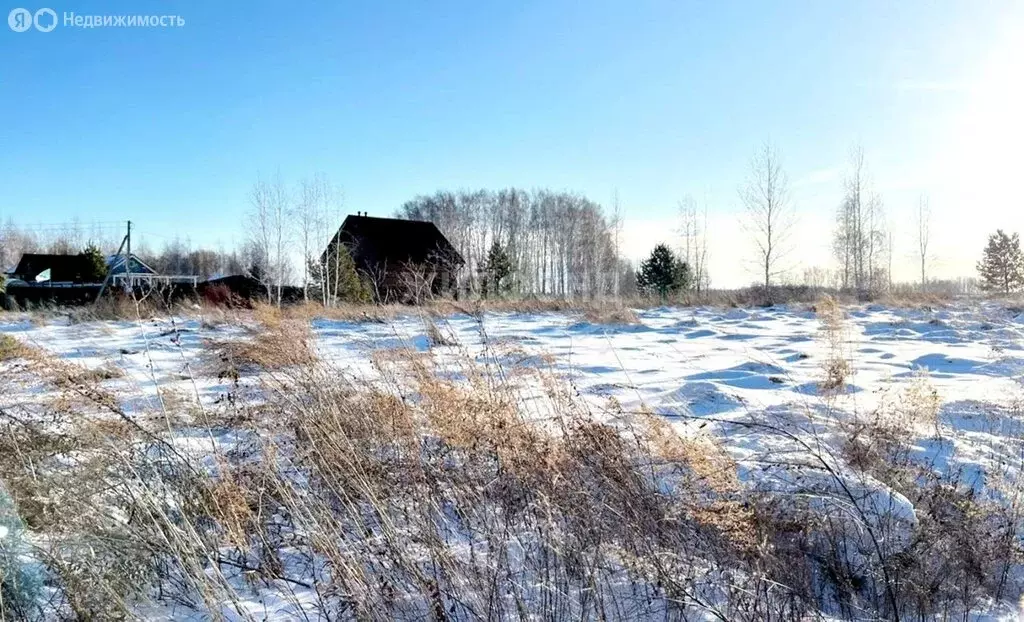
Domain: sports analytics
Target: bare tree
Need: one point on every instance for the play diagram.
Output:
(313, 198)
(617, 250)
(13, 243)
(924, 216)
(860, 237)
(416, 282)
(769, 218)
(268, 234)
(694, 250)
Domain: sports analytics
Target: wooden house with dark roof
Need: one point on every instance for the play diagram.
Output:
(396, 254)
(47, 267)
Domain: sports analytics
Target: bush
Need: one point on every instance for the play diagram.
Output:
(10, 348)
(220, 295)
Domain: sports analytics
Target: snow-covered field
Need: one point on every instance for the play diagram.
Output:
(703, 361)
(736, 373)
(682, 363)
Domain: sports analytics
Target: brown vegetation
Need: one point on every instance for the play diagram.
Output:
(413, 495)
(10, 348)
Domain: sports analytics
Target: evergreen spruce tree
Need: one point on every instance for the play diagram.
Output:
(95, 264)
(663, 273)
(1002, 265)
(338, 273)
(497, 268)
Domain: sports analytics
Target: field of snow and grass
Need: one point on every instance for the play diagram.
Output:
(852, 464)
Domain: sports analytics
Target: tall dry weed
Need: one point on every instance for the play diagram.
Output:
(836, 367)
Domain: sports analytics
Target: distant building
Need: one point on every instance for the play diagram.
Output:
(71, 279)
(116, 264)
(396, 255)
(129, 271)
(53, 279)
(244, 289)
(48, 268)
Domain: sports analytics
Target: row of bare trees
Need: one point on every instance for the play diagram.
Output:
(283, 219)
(558, 243)
(861, 244)
(69, 238)
(177, 256)
(693, 246)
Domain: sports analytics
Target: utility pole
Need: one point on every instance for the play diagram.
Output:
(110, 275)
(128, 259)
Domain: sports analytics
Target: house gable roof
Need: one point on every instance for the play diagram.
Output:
(115, 265)
(376, 241)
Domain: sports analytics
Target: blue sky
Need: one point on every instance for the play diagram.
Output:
(657, 100)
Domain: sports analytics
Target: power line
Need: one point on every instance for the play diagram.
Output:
(66, 223)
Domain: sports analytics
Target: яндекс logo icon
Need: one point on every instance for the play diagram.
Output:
(20, 20)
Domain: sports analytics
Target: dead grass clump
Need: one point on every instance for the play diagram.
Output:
(529, 304)
(212, 316)
(707, 468)
(78, 379)
(836, 367)
(914, 299)
(276, 342)
(343, 312)
(610, 315)
(393, 471)
(10, 348)
(96, 375)
(836, 370)
(115, 307)
(436, 336)
(882, 445)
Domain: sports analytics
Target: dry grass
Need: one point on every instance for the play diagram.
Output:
(116, 307)
(350, 477)
(414, 495)
(10, 348)
(276, 340)
(836, 366)
(343, 312)
(437, 336)
(610, 314)
(914, 300)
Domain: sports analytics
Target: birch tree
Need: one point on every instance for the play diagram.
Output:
(268, 234)
(616, 247)
(693, 231)
(559, 243)
(308, 208)
(923, 237)
(859, 241)
(769, 219)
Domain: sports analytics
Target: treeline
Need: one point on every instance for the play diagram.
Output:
(63, 240)
(543, 242)
(558, 243)
(179, 257)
